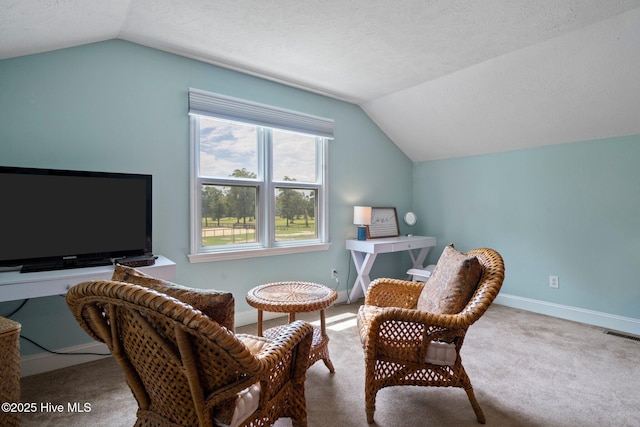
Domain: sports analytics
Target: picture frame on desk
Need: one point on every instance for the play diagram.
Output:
(384, 223)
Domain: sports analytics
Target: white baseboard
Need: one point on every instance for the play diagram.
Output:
(614, 322)
(45, 362)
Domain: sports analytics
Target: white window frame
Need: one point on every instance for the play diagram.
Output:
(265, 118)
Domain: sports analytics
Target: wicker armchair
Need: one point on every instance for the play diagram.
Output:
(186, 369)
(405, 346)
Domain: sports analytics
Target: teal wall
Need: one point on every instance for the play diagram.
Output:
(117, 106)
(571, 210)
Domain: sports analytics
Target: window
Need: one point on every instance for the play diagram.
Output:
(258, 179)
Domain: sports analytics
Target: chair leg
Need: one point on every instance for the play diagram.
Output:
(370, 410)
(329, 365)
(475, 405)
(370, 390)
(370, 402)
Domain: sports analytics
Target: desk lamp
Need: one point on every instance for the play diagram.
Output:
(362, 218)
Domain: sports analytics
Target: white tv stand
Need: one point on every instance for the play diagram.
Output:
(16, 286)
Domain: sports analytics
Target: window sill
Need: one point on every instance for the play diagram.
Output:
(253, 253)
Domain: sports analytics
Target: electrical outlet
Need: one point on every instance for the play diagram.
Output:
(334, 274)
(553, 282)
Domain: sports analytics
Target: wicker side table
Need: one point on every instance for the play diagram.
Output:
(9, 369)
(292, 298)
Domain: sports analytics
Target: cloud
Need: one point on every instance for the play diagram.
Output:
(226, 146)
(294, 156)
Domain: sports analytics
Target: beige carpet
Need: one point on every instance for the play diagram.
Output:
(527, 370)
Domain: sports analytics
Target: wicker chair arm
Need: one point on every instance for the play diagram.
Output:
(393, 293)
(286, 357)
(446, 321)
(411, 326)
(290, 337)
(296, 339)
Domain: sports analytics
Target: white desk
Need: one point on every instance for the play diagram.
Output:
(16, 286)
(364, 253)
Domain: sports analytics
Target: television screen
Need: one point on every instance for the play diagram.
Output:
(53, 219)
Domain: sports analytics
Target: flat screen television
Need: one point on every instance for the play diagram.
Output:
(54, 219)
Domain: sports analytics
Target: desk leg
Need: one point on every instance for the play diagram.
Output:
(418, 261)
(259, 323)
(363, 263)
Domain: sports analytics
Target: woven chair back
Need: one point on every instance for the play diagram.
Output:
(172, 355)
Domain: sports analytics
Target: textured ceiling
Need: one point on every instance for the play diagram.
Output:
(442, 78)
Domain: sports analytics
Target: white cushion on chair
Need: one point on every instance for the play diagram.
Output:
(246, 404)
(248, 399)
(441, 353)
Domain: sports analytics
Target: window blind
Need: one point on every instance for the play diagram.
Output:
(226, 107)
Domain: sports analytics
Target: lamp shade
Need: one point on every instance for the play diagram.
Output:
(362, 215)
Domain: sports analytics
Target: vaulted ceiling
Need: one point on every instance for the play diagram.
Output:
(442, 78)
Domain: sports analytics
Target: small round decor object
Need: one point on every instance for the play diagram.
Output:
(410, 218)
